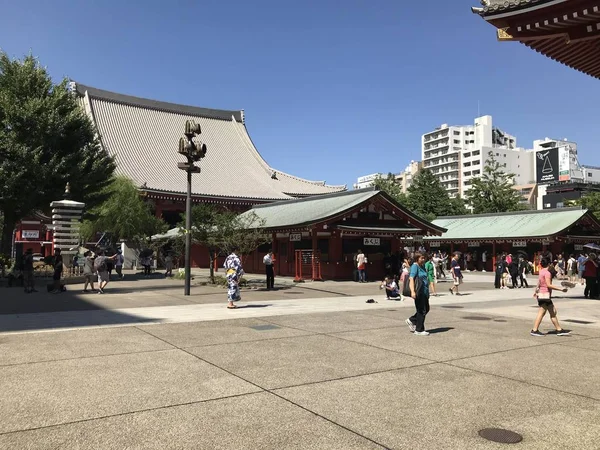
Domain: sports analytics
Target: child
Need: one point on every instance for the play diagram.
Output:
(543, 294)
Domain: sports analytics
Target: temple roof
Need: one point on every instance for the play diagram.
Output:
(143, 137)
(503, 6)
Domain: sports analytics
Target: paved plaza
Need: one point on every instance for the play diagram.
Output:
(305, 366)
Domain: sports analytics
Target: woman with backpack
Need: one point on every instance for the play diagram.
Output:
(419, 291)
(101, 267)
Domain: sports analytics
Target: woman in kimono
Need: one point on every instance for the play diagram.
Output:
(234, 272)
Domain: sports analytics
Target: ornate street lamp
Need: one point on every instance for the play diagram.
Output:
(194, 150)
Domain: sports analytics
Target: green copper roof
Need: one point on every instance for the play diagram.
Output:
(312, 210)
(524, 224)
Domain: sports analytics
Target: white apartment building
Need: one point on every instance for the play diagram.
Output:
(457, 154)
(404, 178)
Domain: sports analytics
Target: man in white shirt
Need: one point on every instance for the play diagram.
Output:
(268, 261)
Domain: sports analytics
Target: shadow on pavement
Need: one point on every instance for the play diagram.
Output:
(252, 306)
(440, 330)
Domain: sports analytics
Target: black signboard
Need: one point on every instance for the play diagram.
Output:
(546, 166)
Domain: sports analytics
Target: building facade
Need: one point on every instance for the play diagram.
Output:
(458, 154)
(404, 178)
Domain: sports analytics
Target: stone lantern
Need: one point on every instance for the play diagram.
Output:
(66, 220)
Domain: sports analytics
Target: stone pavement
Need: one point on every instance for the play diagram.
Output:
(314, 372)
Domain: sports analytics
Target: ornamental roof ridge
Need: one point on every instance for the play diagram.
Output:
(502, 6)
(115, 97)
(319, 197)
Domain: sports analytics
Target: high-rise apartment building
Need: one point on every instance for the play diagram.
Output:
(458, 154)
(404, 178)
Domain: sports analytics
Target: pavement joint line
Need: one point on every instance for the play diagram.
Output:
(529, 383)
(324, 290)
(88, 357)
(248, 341)
(263, 389)
(127, 413)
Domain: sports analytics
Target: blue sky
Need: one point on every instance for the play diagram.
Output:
(332, 90)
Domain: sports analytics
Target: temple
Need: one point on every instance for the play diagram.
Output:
(567, 31)
(143, 134)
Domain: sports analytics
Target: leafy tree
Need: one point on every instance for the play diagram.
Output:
(590, 200)
(220, 230)
(428, 198)
(46, 140)
(123, 215)
(493, 192)
(390, 187)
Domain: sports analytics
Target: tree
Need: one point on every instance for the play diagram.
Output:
(428, 198)
(390, 187)
(222, 230)
(590, 200)
(493, 192)
(46, 140)
(124, 215)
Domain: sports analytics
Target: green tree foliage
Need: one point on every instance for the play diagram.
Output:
(222, 230)
(493, 192)
(590, 200)
(428, 198)
(46, 140)
(123, 215)
(390, 187)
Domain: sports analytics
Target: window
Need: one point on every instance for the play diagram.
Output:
(560, 205)
(476, 163)
(456, 141)
(497, 154)
(467, 174)
(476, 172)
(457, 133)
(472, 142)
(590, 174)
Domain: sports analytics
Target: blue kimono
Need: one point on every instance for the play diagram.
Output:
(234, 271)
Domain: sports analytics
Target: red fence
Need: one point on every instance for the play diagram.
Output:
(308, 265)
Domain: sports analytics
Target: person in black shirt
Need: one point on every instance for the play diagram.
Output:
(513, 269)
(500, 271)
(523, 271)
(58, 269)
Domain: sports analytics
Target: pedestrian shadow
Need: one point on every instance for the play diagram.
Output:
(252, 306)
(440, 330)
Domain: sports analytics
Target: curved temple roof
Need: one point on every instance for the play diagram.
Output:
(143, 136)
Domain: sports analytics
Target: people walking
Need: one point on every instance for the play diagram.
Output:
(571, 266)
(430, 268)
(361, 265)
(101, 268)
(457, 277)
(523, 271)
(501, 272)
(168, 265)
(268, 261)
(88, 272)
(58, 270)
(234, 273)
(419, 291)
(581, 267)
(590, 272)
(28, 280)
(543, 294)
(119, 260)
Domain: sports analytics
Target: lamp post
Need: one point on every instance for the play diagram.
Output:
(194, 150)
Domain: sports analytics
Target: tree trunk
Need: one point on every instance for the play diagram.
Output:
(211, 258)
(7, 235)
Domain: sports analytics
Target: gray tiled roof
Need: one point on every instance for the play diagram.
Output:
(143, 136)
(500, 6)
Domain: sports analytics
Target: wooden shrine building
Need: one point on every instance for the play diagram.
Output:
(319, 237)
(567, 31)
(563, 230)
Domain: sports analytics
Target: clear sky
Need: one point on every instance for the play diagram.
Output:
(332, 89)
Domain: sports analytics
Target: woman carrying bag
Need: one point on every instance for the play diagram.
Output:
(419, 291)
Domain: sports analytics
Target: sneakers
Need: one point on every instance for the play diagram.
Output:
(451, 291)
(411, 326)
(421, 333)
(536, 333)
(563, 332)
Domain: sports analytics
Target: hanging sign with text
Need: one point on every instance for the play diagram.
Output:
(519, 244)
(435, 244)
(295, 237)
(371, 241)
(30, 234)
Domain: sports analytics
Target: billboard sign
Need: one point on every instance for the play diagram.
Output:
(553, 165)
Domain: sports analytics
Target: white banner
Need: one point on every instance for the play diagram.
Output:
(371, 241)
(30, 234)
(519, 243)
(295, 237)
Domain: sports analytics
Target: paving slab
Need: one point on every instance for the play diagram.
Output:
(568, 369)
(446, 342)
(443, 407)
(196, 334)
(50, 393)
(305, 359)
(255, 421)
(334, 322)
(36, 347)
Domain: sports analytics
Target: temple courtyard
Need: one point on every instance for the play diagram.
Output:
(309, 365)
